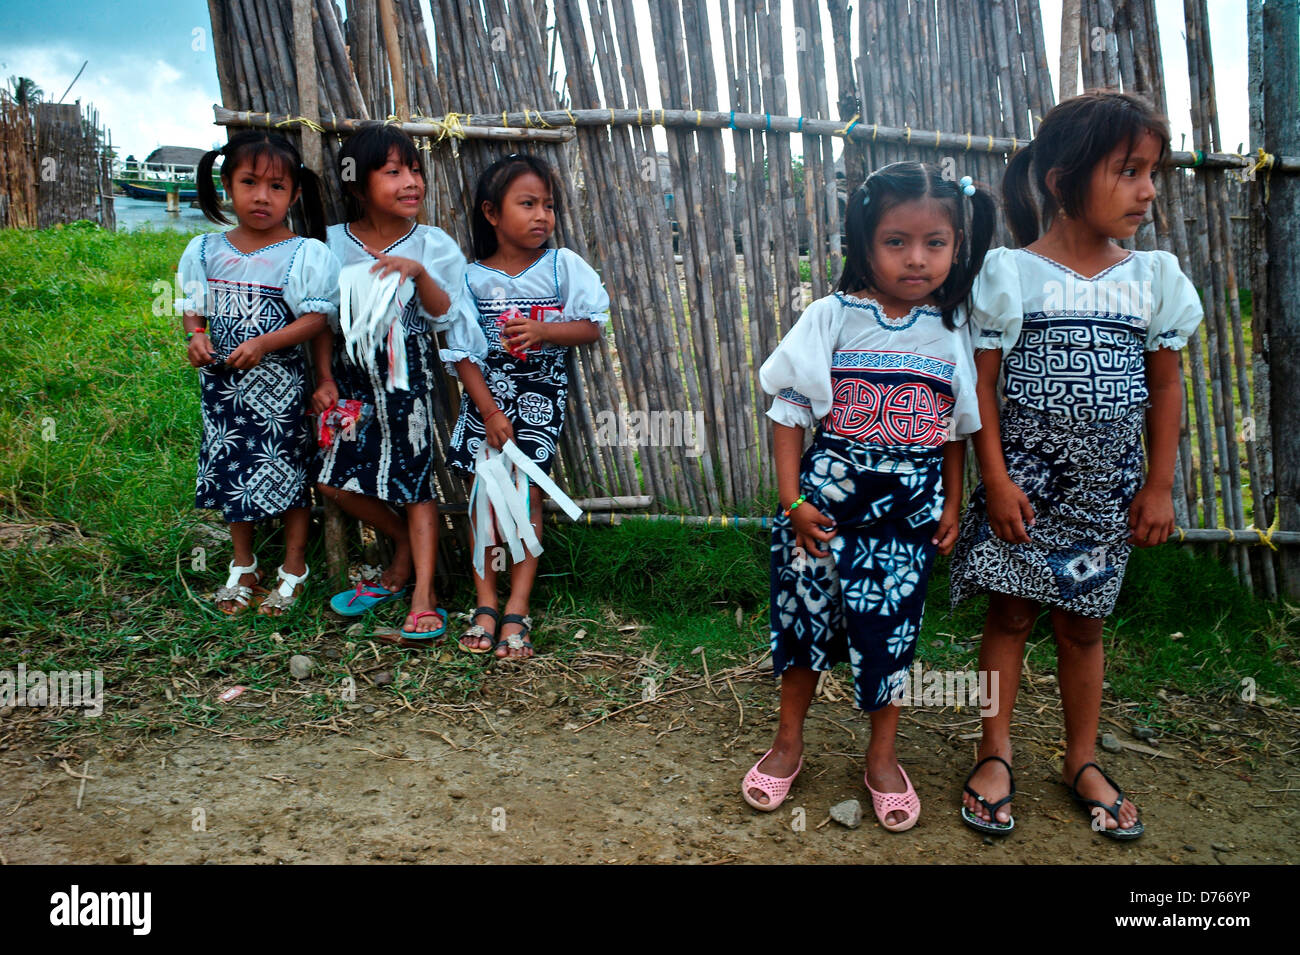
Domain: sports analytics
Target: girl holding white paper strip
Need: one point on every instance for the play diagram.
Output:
(533, 303)
(403, 282)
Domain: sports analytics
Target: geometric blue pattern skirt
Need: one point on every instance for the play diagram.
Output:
(863, 604)
(1080, 478)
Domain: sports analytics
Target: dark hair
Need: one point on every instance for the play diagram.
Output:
(902, 182)
(250, 146)
(491, 188)
(1073, 137)
(365, 151)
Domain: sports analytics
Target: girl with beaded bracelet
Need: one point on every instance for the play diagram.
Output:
(884, 366)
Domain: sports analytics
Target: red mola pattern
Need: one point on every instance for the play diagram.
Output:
(909, 413)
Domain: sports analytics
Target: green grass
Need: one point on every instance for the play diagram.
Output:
(98, 429)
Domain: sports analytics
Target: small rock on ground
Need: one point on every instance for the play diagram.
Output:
(847, 813)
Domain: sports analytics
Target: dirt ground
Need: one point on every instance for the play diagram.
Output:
(514, 775)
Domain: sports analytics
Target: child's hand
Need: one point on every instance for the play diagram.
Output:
(199, 351)
(387, 264)
(498, 428)
(810, 529)
(247, 355)
(325, 397)
(524, 334)
(1009, 512)
(945, 535)
(1150, 517)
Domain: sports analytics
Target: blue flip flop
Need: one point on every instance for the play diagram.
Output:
(366, 597)
(427, 636)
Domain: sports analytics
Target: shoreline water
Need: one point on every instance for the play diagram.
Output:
(134, 215)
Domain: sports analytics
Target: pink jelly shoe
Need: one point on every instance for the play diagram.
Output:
(885, 803)
(775, 787)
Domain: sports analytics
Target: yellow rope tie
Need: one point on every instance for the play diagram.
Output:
(848, 126)
(572, 119)
(908, 130)
(503, 120)
(699, 117)
(968, 141)
(1266, 536)
(449, 125)
(638, 115)
(875, 128)
(662, 114)
(1265, 161)
(1182, 535)
(1232, 538)
(990, 142)
(301, 121)
(1015, 144)
(392, 120)
(936, 139)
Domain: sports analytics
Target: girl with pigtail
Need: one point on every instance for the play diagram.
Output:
(1085, 337)
(883, 369)
(251, 297)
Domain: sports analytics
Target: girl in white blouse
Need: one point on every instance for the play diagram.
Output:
(883, 368)
(1086, 337)
(380, 467)
(252, 296)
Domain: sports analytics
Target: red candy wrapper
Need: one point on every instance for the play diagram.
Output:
(337, 420)
(537, 313)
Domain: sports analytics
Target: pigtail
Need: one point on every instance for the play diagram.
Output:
(1018, 197)
(313, 206)
(207, 192)
(983, 223)
(858, 228)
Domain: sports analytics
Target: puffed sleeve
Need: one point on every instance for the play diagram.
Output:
(966, 407)
(313, 284)
(192, 278)
(996, 310)
(798, 372)
(1176, 309)
(580, 289)
(445, 263)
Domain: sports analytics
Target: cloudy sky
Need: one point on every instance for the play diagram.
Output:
(152, 75)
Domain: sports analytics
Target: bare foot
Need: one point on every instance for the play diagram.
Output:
(781, 762)
(1092, 785)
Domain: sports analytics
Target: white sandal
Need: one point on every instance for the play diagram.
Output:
(283, 597)
(235, 592)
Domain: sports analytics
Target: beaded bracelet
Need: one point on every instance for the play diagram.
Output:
(200, 329)
(795, 506)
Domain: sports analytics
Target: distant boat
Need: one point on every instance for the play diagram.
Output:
(167, 168)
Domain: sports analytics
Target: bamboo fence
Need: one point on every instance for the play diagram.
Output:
(55, 165)
(959, 82)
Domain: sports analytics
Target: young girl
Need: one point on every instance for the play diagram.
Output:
(533, 302)
(251, 297)
(1087, 336)
(383, 459)
(884, 367)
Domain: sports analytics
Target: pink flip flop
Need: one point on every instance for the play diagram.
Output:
(884, 803)
(775, 787)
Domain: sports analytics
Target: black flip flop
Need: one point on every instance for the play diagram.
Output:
(482, 631)
(1091, 804)
(991, 827)
(527, 624)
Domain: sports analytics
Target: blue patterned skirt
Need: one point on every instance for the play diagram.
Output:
(1080, 478)
(863, 603)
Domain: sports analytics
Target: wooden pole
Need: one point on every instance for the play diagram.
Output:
(388, 17)
(1281, 122)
